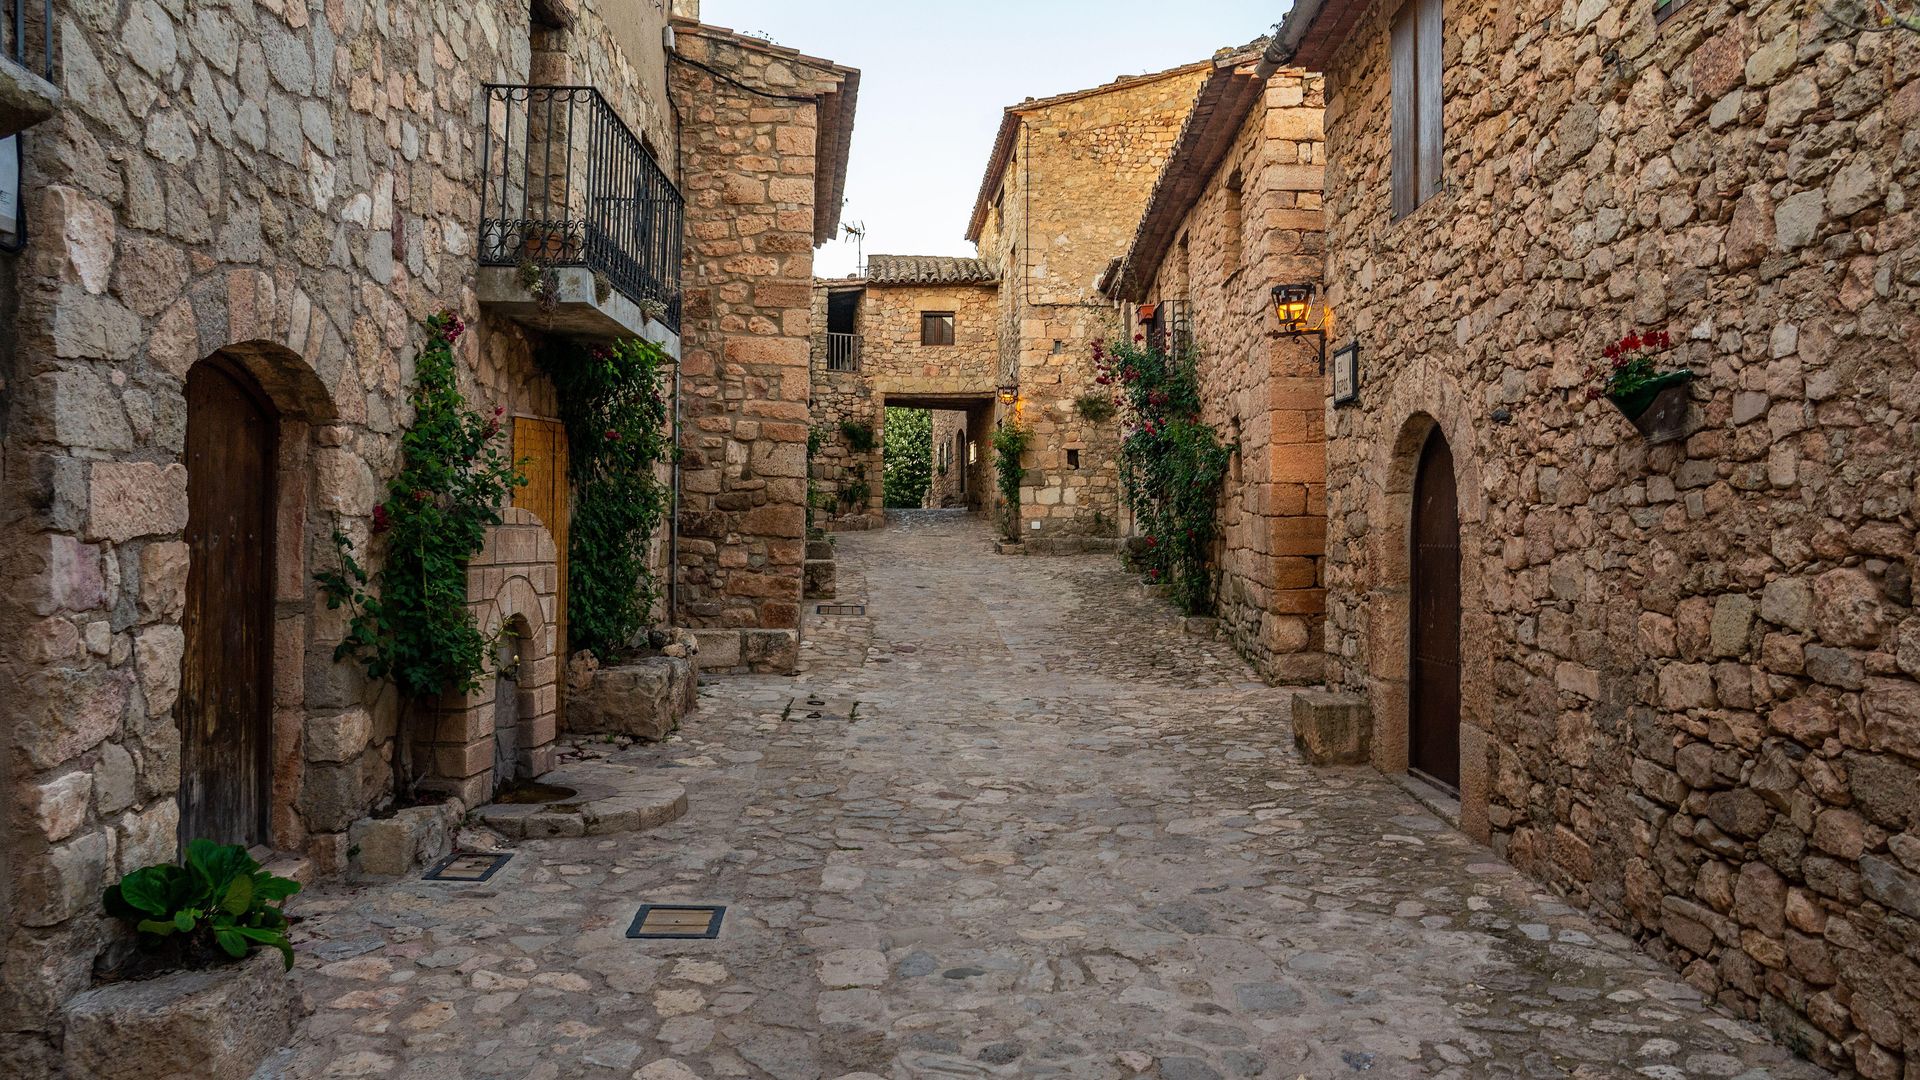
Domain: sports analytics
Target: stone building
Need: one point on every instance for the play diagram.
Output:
(917, 332)
(238, 218)
(1064, 188)
(1235, 212)
(1674, 675)
(765, 142)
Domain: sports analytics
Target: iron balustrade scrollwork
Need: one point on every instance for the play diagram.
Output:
(567, 183)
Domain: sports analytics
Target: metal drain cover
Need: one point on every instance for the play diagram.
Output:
(841, 609)
(467, 866)
(677, 921)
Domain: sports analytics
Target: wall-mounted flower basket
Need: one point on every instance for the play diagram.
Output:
(1658, 407)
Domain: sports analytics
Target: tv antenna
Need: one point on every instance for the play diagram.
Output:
(856, 231)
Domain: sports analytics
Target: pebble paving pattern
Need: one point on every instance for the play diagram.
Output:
(1035, 830)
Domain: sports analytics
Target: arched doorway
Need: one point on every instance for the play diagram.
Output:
(226, 680)
(1434, 635)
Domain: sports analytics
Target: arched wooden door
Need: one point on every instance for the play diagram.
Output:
(226, 678)
(1434, 698)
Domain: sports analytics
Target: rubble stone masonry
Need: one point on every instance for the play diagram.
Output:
(1069, 178)
(1257, 223)
(1691, 682)
(895, 368)
(750, 144)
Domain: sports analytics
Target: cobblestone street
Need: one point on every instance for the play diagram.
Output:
(1055, 836)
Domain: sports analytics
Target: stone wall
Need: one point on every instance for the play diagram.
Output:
(292, 187)
(1256, 224)
(895, 368)
(1077, 177)
(748, 147)
(1690, 680)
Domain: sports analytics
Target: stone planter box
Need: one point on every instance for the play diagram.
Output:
(396, 846)
(1660, 409)
(190, 1024)
(644, 698)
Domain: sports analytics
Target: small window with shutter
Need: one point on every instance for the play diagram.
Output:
(1416, 104)
(936, 328)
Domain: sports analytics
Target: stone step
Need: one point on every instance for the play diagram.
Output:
(606, 799)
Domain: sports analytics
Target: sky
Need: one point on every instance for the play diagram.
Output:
(936, 74)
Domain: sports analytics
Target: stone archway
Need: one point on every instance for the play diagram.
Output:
(265, 602)
(1436, 413)
(516, 577)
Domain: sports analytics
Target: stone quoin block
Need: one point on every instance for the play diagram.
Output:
(1332, 729)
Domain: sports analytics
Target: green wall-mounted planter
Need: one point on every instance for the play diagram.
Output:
(1659, 408)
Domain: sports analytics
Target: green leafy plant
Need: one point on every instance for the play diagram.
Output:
(220, 900)
(1096, 407)
(613, 401)
(410, 619)
(908, 457)
(1009, 442)
(1173, 465)
(859, 436)
(816, 499)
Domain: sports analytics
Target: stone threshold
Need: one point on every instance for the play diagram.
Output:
(1444, 804)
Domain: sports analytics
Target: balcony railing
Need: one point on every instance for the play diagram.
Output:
(843, 352)
(567, 183)
(21, 29)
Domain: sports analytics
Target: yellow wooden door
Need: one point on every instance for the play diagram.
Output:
(540, 446)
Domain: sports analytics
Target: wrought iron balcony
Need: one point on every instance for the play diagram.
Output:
(27, 93)
(21, 29)
(567, 184)
(843, 352)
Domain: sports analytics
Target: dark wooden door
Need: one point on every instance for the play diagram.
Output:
(226, 679)
(1435, 639)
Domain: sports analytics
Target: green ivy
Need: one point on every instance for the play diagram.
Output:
(1172, 465)
(613, 402)
(1009, 442)
(859, 436)
(909, 457)
(411, 622)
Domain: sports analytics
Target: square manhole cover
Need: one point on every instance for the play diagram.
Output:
(841, 609)
(467, 866)
(677, 921)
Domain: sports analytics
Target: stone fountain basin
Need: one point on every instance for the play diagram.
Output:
(607, 799)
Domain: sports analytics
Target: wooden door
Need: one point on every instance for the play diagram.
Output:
(226, 678)
(1434, 726)
(540, 446)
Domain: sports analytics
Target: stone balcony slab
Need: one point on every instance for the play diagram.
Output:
(25, 98)
(580, 307)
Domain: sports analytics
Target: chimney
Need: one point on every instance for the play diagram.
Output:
(686, 9)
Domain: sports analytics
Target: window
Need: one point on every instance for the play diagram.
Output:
(1664, 8)
(1073, 459)
(1231, 239)
(936, 328)
(1416, 104)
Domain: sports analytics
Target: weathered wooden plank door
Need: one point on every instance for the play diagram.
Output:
(226, 677)
(1435, 640)
(540, 446)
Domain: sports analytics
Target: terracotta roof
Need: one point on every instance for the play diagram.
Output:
(1314, 29)
(1010, 124)
(833, 138)
(929, 270)
(1229, 94)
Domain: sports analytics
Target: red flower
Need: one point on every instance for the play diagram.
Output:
(381, 522)
(1630, 342)
(421, 495)
(1138, 338)
(1151, 542)
(612, 435)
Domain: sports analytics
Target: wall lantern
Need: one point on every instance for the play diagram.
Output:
(1293, 306)
(1009, 393)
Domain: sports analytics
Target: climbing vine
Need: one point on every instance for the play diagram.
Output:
(1009, 442)
(1173, 465)
(908, 468)
(613, 402)
(410, 620)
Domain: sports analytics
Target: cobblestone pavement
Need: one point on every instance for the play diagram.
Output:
(1055, 837)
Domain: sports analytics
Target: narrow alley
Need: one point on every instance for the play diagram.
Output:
(1054, 837)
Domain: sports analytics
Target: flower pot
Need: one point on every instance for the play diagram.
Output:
(1659, 408)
